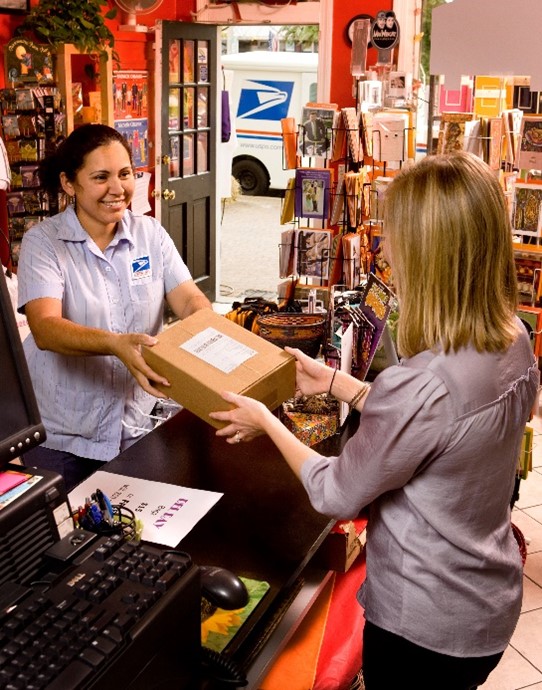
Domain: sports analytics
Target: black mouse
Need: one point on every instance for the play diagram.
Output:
(223, 588)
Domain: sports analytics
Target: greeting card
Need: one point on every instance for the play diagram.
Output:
(313, 251)
(530, 143)
(526, 219)
(312, 193)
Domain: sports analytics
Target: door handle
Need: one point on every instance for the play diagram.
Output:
(166, 160)
(168, 194)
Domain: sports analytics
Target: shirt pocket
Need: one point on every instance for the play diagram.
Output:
(79, 413)
(147, 291)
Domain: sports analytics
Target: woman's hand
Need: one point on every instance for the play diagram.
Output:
(251, 418)
(127, 347)
(312, 377)
(246, 421)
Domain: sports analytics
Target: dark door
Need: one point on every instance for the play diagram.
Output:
(186, 140)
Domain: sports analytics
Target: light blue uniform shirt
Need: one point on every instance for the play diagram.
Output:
(92, 406)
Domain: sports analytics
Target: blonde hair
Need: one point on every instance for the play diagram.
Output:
(451, 255)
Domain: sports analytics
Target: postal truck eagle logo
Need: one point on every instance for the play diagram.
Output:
(265, 100)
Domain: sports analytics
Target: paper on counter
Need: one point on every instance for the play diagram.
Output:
(168, 512)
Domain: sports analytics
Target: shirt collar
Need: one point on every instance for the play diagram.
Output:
(70, 229)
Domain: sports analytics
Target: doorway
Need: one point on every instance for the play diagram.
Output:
(260, 95)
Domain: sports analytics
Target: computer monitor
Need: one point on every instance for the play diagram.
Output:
(21, 427)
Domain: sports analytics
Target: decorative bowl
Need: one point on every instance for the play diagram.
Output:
(304, 331)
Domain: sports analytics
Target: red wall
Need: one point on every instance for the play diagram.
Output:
(343, 12)
(131, 47)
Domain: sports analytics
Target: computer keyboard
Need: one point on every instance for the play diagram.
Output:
(102, 619)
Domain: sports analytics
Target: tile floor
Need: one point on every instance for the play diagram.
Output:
(521, 665)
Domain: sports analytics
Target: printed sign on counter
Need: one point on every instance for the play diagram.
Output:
(168, 512)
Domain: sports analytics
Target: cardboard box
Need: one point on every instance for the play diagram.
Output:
(207, 354)
(342, 545)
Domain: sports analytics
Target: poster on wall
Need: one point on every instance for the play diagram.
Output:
(136, 133)
(130, 94)
(130, 112)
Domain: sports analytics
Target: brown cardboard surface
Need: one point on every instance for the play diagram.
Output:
(268, 375)
(341, 547)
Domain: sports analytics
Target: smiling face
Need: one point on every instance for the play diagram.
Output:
(103, 188)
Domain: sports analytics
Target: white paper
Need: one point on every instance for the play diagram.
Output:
(218, 350)
(389, 137)
(140, 200)
(168, 512)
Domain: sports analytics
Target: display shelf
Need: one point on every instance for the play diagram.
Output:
(30, 124)
(64, 70)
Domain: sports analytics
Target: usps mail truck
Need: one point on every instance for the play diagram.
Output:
(264, 88)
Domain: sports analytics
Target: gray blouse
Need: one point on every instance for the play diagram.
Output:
(435, 457)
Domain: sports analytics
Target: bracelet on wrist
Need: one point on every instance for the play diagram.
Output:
(358, 397)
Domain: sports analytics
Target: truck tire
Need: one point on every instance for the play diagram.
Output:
(252, 176)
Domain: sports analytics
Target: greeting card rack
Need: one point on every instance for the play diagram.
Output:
(348, 211)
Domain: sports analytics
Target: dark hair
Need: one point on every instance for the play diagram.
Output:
(70, 155)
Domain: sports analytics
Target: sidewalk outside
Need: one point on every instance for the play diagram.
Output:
(249, 257)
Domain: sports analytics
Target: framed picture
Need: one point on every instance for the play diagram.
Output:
(14, 6)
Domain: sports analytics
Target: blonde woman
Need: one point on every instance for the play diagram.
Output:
(435, 454)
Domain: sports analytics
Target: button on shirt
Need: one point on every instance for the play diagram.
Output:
(92, 406)
(435, 457)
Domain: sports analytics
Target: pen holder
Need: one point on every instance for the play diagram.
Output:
(124, 523)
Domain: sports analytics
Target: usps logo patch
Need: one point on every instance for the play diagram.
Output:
(141, 268)
(265, 100)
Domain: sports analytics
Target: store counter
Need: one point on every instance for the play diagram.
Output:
(263, 527)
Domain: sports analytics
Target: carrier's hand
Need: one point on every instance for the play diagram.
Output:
(246, 421)
(312, 377)
(127, 348)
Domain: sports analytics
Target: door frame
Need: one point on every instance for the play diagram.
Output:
(161, 98)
